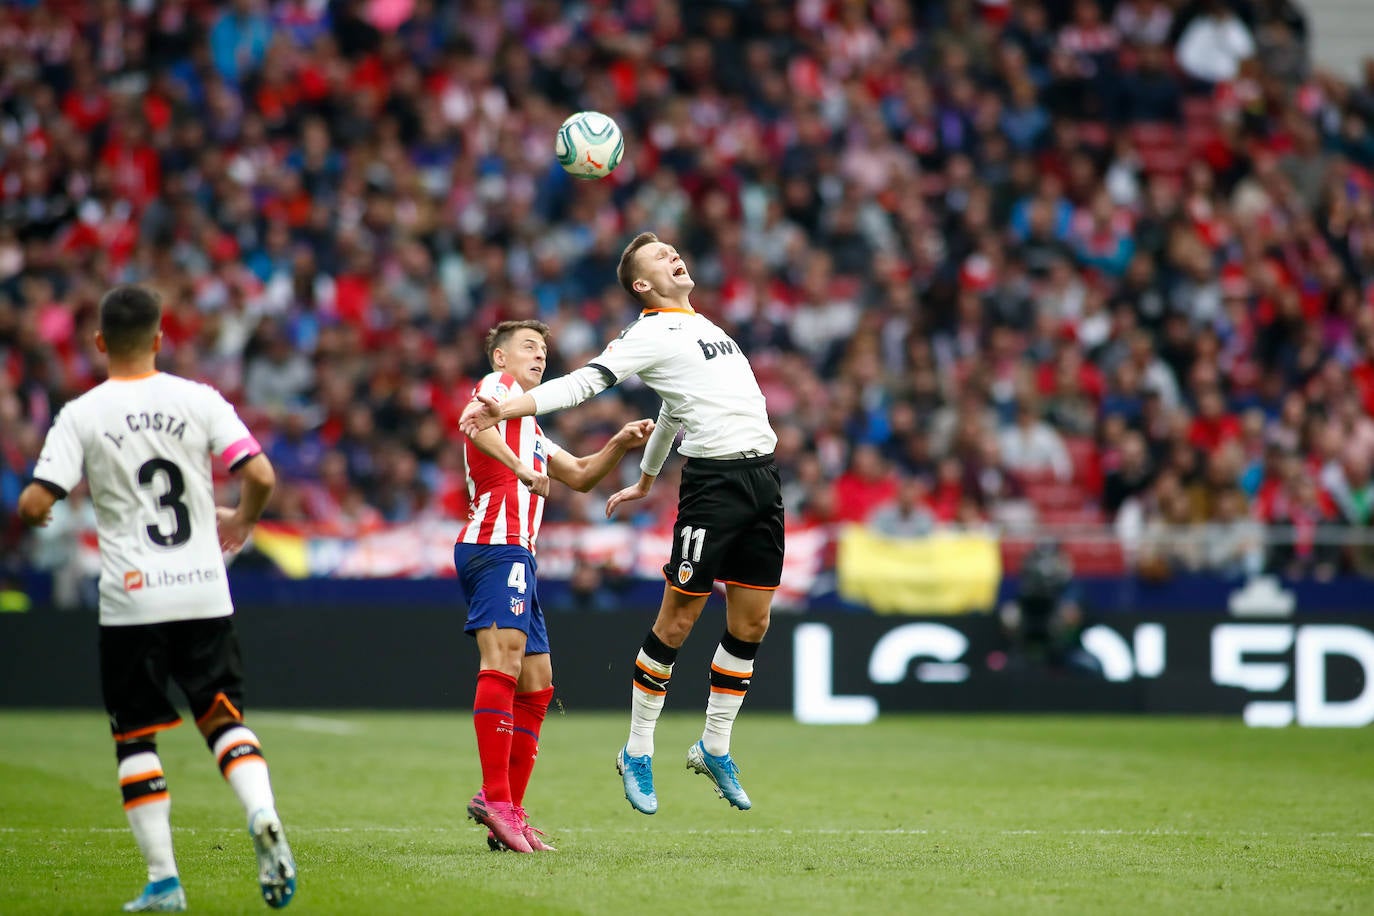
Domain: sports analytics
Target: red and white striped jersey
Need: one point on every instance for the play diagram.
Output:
(504, 511)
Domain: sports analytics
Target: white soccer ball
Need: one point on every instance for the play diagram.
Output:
(589, 145)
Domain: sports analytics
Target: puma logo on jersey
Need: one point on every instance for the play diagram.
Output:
(714, 348)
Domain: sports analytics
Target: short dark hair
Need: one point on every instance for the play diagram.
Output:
(626, 271)
(129, 319)
(498, 335)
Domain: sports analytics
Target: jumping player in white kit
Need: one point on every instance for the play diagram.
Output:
(729, 525)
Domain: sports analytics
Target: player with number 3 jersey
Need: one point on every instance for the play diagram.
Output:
(144, 440)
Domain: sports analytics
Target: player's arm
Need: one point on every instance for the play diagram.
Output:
(655, 453)
(57, 471)
(623, 357)
(557, 394)
(257, 479)
(490, 443)
(584, 472)
(36, 502)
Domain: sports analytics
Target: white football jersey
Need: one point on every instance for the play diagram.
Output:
(144, 445)
(702, 376)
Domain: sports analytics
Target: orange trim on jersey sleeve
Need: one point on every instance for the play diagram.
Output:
(145, 800)
(761, 588)
(220, 702)
(151, 729)
(736, 693)
(139, 777)
(728, 673)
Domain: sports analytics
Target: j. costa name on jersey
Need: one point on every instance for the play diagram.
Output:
(156, 422)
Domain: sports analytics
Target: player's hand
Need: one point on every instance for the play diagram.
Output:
(538, 483)
(483, 413)
(631, 493)
(233, 530)
(634, 434)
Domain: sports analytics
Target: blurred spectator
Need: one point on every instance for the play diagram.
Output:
(1132, 476)
(239, 40)
(1214, 43)
(1032, 447)
(1170, 543)
(867, 483)
(907, 516)
(1233, 543)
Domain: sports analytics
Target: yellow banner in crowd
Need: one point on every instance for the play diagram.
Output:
(941, 574)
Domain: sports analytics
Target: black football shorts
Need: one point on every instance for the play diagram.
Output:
(729, 525)
(137, 662)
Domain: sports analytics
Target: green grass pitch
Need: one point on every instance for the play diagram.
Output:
(910, 815)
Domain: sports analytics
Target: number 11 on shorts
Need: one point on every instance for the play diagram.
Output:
(693, 539)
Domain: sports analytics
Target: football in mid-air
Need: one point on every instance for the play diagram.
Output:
(589, 145)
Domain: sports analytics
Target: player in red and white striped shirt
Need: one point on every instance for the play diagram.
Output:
(509, 467)
(507, 505)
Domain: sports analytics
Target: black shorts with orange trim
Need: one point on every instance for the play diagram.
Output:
(729, 525)
(139, 663)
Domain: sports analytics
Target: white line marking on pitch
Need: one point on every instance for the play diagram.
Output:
(307, 723)
(752, 831)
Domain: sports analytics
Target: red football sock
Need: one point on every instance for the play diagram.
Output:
(524, 746)
(493, 718)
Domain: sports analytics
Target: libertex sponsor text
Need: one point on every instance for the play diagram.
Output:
(143, 579)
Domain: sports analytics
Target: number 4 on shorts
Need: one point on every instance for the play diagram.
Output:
(516, 579)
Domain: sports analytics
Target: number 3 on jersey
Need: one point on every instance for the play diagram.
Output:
(170, 499)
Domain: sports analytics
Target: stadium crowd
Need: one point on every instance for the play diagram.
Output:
(1023, 262)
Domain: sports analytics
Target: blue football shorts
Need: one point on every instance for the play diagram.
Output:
(498, 583)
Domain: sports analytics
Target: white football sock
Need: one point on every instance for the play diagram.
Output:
(240, 760)
(148, 806)
(730, 677)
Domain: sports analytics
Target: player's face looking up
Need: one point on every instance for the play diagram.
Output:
(524, 356)
(661, 270)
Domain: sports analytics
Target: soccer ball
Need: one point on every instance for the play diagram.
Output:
(589, 145)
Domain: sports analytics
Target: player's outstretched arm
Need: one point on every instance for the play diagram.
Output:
(655, 453)
(637, 490)
(556, 394)
(583, 473)
(257, 479)
(490, 443)
(35, 505)
(485, 411)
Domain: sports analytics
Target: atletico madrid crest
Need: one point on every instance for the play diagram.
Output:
(517, 606)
